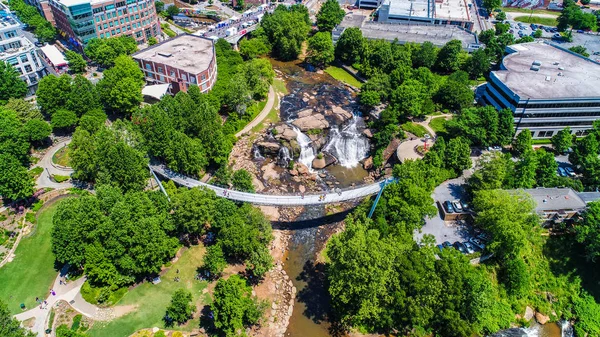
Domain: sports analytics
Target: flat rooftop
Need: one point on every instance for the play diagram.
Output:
(437, 34)
(442, 9)
(189, 53)
(417, 8)
(552, 199)
(7, 19)
(561, 74)
(453, 10)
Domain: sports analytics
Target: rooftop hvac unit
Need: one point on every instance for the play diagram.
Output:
(537, 63)
(535, 67)
(561, 68)
(163, 54)
(547, 78)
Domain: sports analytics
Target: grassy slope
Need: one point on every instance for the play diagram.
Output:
(438, 124)
(32, 272)
(152, 300)
(415, 129)
(342, 75)
(61, 157)
(528, 11)
(537, 20)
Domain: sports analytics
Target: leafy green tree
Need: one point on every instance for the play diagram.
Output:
(501, 28)
(546, 168)
(490, 5)
(455, 95)
(159, 5)
(181, 309)
(588, 231)
(13, 139)
(242, 181)
(64, 331)
(425, 56)
(255, 47)
(525, 170)
(53, 93)
(105, 51)
(152, 41)
(515, 275)
(64, 120)
(581, 50)
(259, 77)
(214, 261)
(449, 57)
(478, 64)
(76, 62)
(259, 262)
(15, 182)
(193, 209)
(369, 98)
(320, 50)
(537, 34)
(93, 120)
(11, 85)
(25, 110)
(349, 46)
(587, 311)
(37, 130)
(172, 11)
(523, 143)
(490, 173)
(83, 96)
(457, 155)
(286, 29)
(233, 306)
(9, 326)
(329, 16)
(562, 140)
(121, 87)
(411, 99)
(501, 16)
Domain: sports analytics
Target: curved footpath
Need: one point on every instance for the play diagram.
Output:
(44, 180)
(273, 200)
(265, 111)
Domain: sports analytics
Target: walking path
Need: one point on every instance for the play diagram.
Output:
(274, 200)
(45, 180)
(426, 122)
(265, 111)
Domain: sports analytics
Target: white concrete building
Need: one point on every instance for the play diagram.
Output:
(18, 51)
(432, 12)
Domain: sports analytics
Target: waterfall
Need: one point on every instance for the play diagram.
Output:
(307, 152)
(257, 154)
(349, 146)
(283, 157)
(566, 329)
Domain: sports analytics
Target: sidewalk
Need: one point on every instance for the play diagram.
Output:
(265, 111)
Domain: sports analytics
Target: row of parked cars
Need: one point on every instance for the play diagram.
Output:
(566, 172)
(474, 244)
(456, 206)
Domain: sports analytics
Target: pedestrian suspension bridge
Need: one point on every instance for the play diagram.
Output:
(278, 200)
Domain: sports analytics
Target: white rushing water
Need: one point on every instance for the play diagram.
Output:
(257, 154)
(284, 156)
(307, 152)
(349, 146)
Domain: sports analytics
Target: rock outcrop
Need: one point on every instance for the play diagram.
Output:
(284, 131)
(319, 163)
(316, 121)
(340, 114)
(368, 163)
(271, 148)
(528, 313)
(541, 318)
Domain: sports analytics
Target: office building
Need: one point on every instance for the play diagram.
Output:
(431, 12)
(181, 61)
(18, 51)
(548, 88)
(555, 205)
(83, 20)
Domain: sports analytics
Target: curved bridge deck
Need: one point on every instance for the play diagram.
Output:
(274, 200)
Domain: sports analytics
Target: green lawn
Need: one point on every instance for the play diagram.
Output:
(279, 86)
(438, 124)
(152, 300)
(542, 141)
(415, 129)
(61, 157)
(528, 11)
(537, 20)
(32, 272)
(342, 75)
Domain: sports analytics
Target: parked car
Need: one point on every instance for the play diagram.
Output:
(521, 33)
(440, 247)
(448, 206)
(460, 247)
(477, 243)
(464, 205)
(557, 36)
(446, 244)
(457, 206)
(470, 247)
(484, 236)
(570, 171)
(580, 31)
(533, 26)
(562, 172)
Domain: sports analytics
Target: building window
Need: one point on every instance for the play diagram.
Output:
(127, 19)
(111, 24)
(98, 10)
(97, 19)
(121, 21)
(23, 58)
(121, 4)
(148, 66)
(10, 34)
(172, 73)
(193, 79)
(99, 27)
(112, 32)
(160, 70)
(101, 35)
(107, 34)
(28, 68)
(138, 35)
(105, 26)
(184, 76)
(12, 61)
(20, 71)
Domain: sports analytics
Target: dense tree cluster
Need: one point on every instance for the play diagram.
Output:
(588, 231)
(106, 51)
(320, 50)
(41, 27)
(234, 308)
(286, 29)
(181, 309)
(117, 238)
(329, 16)
(483, 126)
(76, 62)
(11, 85)
(573, 16)
(9, 326)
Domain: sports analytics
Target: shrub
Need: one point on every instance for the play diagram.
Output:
(30, 217)
(76, 322)
(60, 179)
(160, 333)
(37, 205)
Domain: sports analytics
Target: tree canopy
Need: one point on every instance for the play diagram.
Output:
(105, 51)
(320, 50)
(181, 309)
(286, 29)
(330, 15)
(234, 308)
(11, 85)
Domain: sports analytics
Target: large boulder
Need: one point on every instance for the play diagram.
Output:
(318, 141)
(316, 121)
(528, 313)
(269, 172)
(284, 131)
(271, 148)
(368, 163)
(368, 133)
(302, 169)
(305, 113)
(319, 163)
(340, 114)
(541, 318)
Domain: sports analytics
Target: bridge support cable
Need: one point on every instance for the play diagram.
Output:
(159, 183)
(383, 185)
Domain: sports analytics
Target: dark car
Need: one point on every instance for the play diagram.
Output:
(460, 247)
(446, 244)
(448, 206)
(440, 247)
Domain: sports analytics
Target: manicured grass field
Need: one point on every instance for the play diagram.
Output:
(415, 129)
(32, 271)
(438, 124)
(528, 11)
(342, 75)
(61, 157)
(537, 20)
(152, 300)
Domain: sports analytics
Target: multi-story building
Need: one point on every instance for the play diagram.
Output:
(548, 88)
(181, 61)
(43, 6)
(83, 20)
(431, 12)
(18, 51)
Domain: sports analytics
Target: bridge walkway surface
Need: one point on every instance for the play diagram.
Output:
(275, 200)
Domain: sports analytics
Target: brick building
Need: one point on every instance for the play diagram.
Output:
(181, 61)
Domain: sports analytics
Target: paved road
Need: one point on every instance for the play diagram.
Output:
(265, 111)
(221, 32)
(44, 180)
(273, 200)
